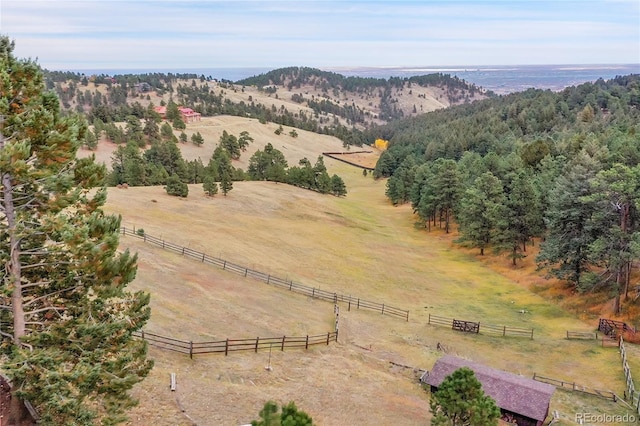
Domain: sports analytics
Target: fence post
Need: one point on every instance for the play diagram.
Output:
(429, 321)
(358, 303)
(383, 309)
(245, 271)
(191, 349)
(306, 345)
(328, 335)
(224, 265)
(203, 257)
(268, 279)
(257, 339)
(226, 347)
(162, 243)
(335, 297)
(183, 250)
(282, 348)
(349, 308)
(532, 334)
(142, 333)
(504, 330)
(407, 316)
(290, 285)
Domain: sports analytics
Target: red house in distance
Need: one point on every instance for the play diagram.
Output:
(188, 115)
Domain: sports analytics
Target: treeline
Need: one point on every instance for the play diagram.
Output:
(562, 167)
(296, 77)
(162, 163)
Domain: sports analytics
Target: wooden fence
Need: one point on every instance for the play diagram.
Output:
(233, 345)
(582, 335)
(631, 394)
(313, 292)
(337, 156)
(613, 328)
(573, 386)
(483, 328)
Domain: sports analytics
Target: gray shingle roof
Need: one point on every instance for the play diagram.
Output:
(511, 392)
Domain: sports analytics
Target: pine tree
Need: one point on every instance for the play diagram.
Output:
(176, 187)
(244, 140)
(460, 401)
(337, 186)
(230, 143)
(447, 183)
(564, 253)
(519, 219)
(210, 186)
(290, 416)
(478, 210)
(197, 139)
(617, 191)
(66, 314)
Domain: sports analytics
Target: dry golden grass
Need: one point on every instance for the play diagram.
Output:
(359, 245)
(307, 144)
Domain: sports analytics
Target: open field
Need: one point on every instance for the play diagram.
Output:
(359, 245)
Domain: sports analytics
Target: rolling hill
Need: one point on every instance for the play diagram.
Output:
(359, 245)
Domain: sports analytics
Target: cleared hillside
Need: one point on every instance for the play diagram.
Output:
(306, 144)
(359, 245)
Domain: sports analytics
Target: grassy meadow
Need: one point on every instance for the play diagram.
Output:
(357, 245)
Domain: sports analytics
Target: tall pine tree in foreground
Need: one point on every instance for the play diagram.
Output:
(460, 401)
(67, 319)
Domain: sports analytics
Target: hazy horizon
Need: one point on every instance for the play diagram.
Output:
(157, 34)
(499, 79)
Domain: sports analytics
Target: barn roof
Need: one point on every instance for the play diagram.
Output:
(511, 392)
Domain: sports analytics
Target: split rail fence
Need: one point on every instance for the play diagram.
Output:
(477, 327)
(573, 386)
(613, 328)
(234, 345)
(313, 292)
(631, 394)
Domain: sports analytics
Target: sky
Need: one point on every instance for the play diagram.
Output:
(158, 35)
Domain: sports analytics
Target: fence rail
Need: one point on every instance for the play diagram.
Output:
(631, 394)
(613, 328)
(582, 335)
(337, 156)
(573, 386)
(234, 345)
(313, 292)
(481, 328)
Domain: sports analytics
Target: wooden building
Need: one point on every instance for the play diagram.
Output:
(521, 400)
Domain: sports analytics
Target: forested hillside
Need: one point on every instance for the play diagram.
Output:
(563, 167)
(306, 98)
(369, 100)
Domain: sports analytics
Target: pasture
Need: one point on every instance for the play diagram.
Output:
(357, 245)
